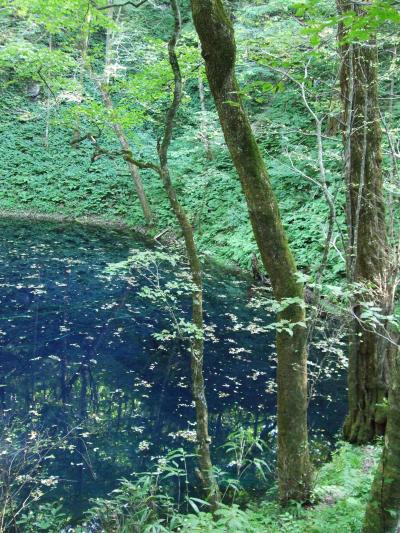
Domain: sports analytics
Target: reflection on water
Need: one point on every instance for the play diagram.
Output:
(77, 348)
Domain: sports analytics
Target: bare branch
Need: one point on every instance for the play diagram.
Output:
(110, 6)
(127, 155)
(89, 136)
(45, 82)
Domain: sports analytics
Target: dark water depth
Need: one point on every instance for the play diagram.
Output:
(77, 350)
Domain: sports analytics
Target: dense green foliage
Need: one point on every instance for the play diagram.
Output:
(60, 157)
(340, 494)
(71, 185)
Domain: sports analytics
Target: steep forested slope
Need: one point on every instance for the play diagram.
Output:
(71, 184)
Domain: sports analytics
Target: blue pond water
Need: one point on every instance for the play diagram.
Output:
(77, 350)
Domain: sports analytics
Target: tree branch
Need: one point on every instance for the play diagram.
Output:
(173, 60)
(110, 6)
(127, 155)
(45, 82)
(89, 136)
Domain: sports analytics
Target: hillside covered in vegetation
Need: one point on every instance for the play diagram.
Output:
(200, 250)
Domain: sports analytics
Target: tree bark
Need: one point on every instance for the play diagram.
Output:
(197, 342)
(134, 171)
(137, 180)
(367, 232)
(219, 50)
(383, 510)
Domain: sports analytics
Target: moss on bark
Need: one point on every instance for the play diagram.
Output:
(366, 223)
(383, 510)
(206, 472)
(218, 48)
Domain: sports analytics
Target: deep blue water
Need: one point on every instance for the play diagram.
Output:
(77, 347)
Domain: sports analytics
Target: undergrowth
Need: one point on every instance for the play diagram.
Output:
(340, 493)
(339, 498)
(59, 179)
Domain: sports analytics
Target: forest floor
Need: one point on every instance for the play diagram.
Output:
(341, 492)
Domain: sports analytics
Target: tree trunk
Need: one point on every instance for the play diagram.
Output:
(137, 180)
(367, 233)
(197, 346)
(383, 510)
(134, 171)
(197, 342)
(217, 38)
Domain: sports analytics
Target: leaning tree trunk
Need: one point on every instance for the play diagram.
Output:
(104, 91)
(383, 510)
(219, 50)
(367, 234)
(137, 180)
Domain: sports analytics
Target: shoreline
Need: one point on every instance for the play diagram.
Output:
(117, 223)
(114, 224)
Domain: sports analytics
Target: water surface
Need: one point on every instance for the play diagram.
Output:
(77, 351)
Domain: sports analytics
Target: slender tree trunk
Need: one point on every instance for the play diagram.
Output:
(197, 342)
(134, 171)
(218, 44)
(383, 510)
(367, 232)
(103, 87)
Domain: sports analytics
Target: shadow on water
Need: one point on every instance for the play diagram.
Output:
(77, 347)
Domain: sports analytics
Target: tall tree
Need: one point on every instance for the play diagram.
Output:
(206, 473)
(367, 234)
(383, 510)
(216, 34)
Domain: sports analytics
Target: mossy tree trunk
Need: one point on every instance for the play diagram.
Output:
(219, 50)
(383, 510)
(367, 233)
